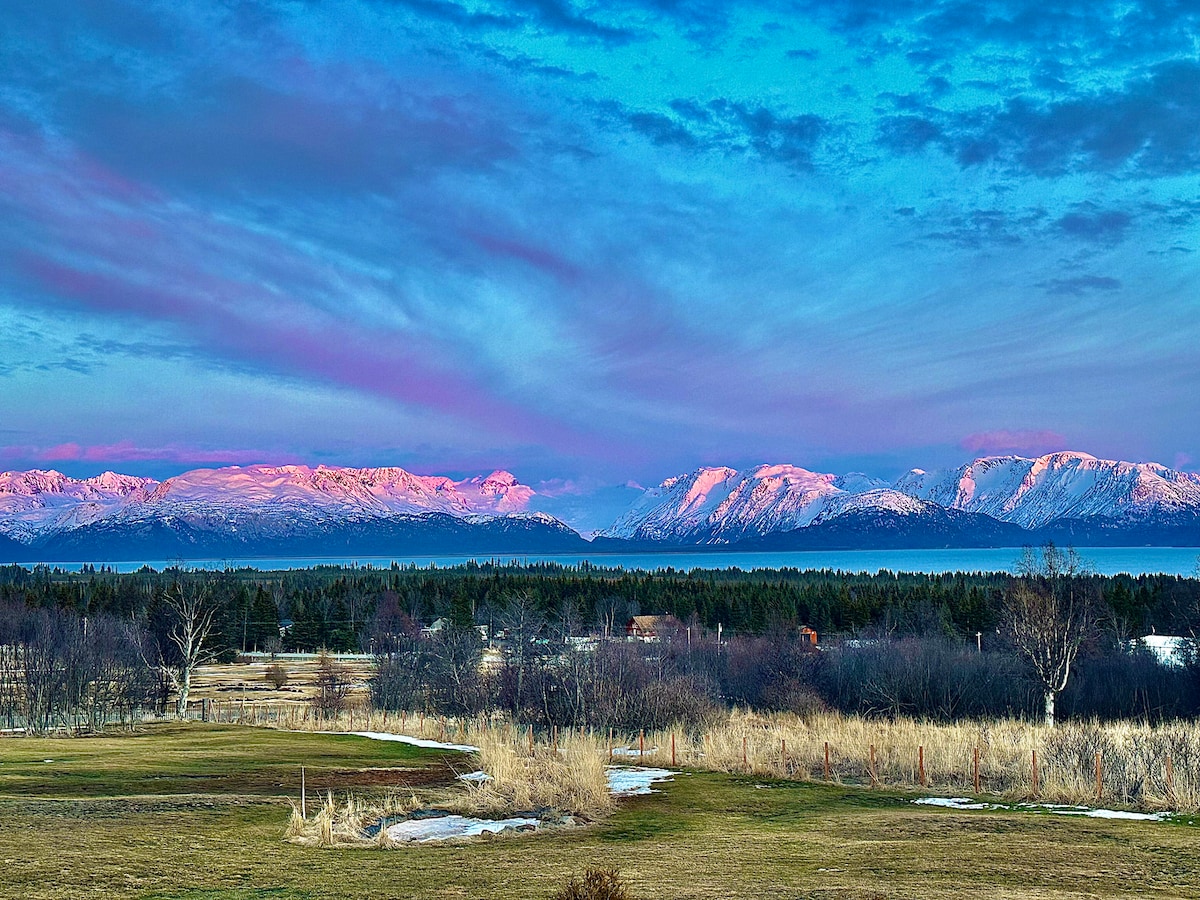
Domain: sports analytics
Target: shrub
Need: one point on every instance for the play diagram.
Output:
(276, 675)
(596, 884)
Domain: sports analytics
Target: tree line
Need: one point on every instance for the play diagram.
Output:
(83, 646)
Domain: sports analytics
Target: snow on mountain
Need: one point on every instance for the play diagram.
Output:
(1034, 492)
(263, 499)
(720, 505)
(36, 501)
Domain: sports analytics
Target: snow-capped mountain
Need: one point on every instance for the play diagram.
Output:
(722, 505)
(1036, 492)
(1071, 495)
(247, 508)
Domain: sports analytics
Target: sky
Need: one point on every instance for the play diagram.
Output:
(597, 243)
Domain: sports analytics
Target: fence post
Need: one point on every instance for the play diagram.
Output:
(641, 745)
(1033, 757)
(672, 749)
(531, 740)
(783, 755)
(1099, 777)
(1170, 779)
(874, 777)
(827, 760)
(610, 744)
(921, 764)
(554, 737)
(976, 767)
(303, 796)
(745, 758)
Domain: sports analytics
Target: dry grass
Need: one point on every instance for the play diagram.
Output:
(1133, 756)
(346, 823)
(569, 779)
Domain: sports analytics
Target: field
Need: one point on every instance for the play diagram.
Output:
(199, 811)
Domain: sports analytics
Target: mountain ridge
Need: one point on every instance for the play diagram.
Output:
(265, 510)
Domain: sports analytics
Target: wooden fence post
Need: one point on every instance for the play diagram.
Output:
(641, 745)
(976, 768)
(745, 757)
(672, 749)
(874, 777)
(1170, 779)
(827, 760)
(610, 744)
(921, 764)
(783, 755)
(1099, 777)
(303, 796)
(531, 740)
(1033, 757)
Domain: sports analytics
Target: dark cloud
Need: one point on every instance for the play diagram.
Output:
(1148, 126)
(1089, 223)
(734, 128)
(980, 228)
(908, 134)
(1079, 285)
(662, 129)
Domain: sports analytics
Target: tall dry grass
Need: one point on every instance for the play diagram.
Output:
(346, 823)
(1133, 756)
(568, 778)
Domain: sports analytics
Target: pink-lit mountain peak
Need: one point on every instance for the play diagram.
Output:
(1034, 491)
(37, 502)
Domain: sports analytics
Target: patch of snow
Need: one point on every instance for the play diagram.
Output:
(1056, 808)
(955, 803)
(629, 781)
(475, 776)
(631, 751)
(1098, 813)
(406, 739)
(447, 828)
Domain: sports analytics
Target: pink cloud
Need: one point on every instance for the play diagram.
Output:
(128, 451)
(1019, 441)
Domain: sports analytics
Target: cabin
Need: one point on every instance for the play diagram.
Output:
(652, 629)
(809, 635)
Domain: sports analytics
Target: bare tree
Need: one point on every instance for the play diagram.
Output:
(192, 617)
(1049, 611)
(333, 686)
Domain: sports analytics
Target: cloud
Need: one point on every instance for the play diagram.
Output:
(1002, 440)
(1095, 225)
(129, 451)
(1079, 285)
(734, 128)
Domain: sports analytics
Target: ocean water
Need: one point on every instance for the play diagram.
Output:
(1103, 560)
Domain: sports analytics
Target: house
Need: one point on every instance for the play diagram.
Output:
(1170, 650)
(808, 634)
(652, 629)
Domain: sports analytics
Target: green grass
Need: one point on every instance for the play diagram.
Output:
(195, 813)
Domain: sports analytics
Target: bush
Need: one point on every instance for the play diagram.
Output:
(596, 884)
(276, 675)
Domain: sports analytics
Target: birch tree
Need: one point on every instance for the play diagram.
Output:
(1049, 611)
(192, 615)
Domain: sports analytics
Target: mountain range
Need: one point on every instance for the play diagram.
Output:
(265, 510)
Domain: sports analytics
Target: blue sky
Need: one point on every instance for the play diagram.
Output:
(593, 243)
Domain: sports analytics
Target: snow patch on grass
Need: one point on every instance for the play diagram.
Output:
(1060, 809)
(629, 781)
(406, 739)
(448, 828)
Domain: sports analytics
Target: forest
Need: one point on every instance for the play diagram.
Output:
(890, 643)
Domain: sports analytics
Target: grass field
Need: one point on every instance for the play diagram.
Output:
(194, 811)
